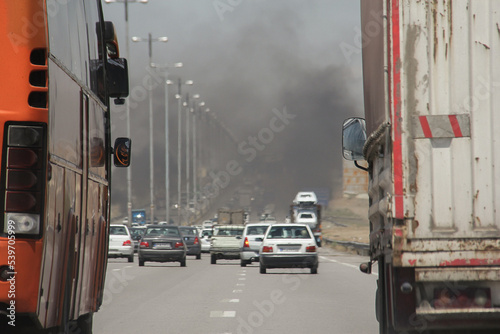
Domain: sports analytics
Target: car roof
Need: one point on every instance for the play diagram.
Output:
(162, 226)
(288, 224)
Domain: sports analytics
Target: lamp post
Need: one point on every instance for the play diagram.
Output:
(178, 96)
(150, 41)
(167, 141)
(195, 152)
(127, 105)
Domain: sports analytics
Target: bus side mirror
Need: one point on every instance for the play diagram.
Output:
(122, 151)
(117, 77)
(353, 138)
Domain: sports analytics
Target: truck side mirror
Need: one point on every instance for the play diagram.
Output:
(122, 151)
(353, 138)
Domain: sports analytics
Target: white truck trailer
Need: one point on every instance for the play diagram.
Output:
(431, 74)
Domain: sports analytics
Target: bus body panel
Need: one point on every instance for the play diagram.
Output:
(60, 275)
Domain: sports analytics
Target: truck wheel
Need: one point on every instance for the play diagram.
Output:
(262, 269)
(213, 259)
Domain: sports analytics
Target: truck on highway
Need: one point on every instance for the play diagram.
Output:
(139, 216)
(431, 137)
(306, 210)
(226, 235)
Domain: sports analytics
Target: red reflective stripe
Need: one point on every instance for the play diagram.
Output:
(455, 126)
(425, 127)
(396, 114)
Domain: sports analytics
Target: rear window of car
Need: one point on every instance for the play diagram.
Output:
(306, 215)
(256, 230)
(228, 231)
(162, 231)
(288, 232)
(188, 231)
(206, 233)
(118, 230)
(137, 231)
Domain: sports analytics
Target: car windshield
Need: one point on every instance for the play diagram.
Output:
(118, 230)
(228, 231)
(162, 231)
(256, 230)
(206, 233)
(288, 232)
(188, 231)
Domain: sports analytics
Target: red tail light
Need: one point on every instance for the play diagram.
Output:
(144, 244)
(311, 249)
(24, 164)
(246, 244)
(127, 243)
(179, 244)
(196, 241)
(447, 298)
(267, 249)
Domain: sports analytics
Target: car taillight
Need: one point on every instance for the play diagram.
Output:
(246, 244)
(311, 249)
(179, 244)
(196, 241)
(144, 244)
(267, 249)
(456, 297)
(24, 178)
(127, 243)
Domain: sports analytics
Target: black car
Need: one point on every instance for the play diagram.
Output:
(162, 243)
(192, 241)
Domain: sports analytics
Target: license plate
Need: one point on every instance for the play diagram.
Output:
(162, 246)
(289, 249)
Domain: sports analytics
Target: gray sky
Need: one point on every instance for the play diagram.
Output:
(248, 57)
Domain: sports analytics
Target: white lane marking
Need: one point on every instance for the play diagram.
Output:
(242, 274)
(116, 269)
(230, 301)
(240, 284)
(128, 267)
(344, 264)
(241, 279)
(237, 291)
(222, 314)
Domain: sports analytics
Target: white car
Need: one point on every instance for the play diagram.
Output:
(305, 197)
(120, 242)
(289, 246)
(205, 235)
(252, 238)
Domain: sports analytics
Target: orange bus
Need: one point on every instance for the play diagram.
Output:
(60, 69)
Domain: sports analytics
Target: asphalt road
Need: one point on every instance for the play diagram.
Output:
(226, 298)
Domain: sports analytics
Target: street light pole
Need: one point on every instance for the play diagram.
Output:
(167, 141)
(178, 96)
(150, 95)
(127, 105)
